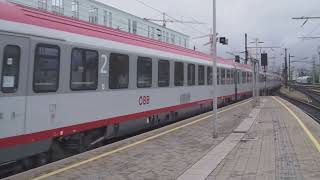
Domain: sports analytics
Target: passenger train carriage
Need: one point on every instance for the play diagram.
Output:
(69, 84)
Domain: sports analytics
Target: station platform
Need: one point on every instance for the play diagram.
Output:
(272, 140)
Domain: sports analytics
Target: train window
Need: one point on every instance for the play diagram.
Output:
(144, 72)
(244, 77)
(218, 76)
(191, 74)
(10, 69)
(201, 75)
(84, 69)
(238, 77)
(223, 76)
(261, 78)
(46, 68)
(178, 74)
(228, 76)
(163, 73)
(209, 76)
(232, 76)
(119, 71)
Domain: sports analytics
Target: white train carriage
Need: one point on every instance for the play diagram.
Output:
(68, 84)
(304, 80)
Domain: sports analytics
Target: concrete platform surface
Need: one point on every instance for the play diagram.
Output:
(276, 147)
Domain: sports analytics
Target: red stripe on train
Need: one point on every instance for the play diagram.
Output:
(64, 131)
(38, 136)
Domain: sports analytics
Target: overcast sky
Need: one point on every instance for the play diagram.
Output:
(268, 20)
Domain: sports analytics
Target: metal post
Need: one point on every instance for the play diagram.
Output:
(314, 71)
(319, 67)
(214, 71)
(258, 81)
(289, 67)
(285, 69)
(253, 64)
(265, 80)
(246, 48)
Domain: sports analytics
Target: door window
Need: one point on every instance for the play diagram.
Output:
(10, 69)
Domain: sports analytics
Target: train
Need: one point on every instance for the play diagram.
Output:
(69, 85)
(304, 80)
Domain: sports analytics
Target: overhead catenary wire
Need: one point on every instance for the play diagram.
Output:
(161, 12)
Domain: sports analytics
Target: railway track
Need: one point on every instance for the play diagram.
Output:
(313, 92)
(310, 109)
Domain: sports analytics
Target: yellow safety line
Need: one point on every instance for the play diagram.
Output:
(130, 145)
(306, 130)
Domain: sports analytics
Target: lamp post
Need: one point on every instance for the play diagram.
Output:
(214, 70)
(319, 64)
(255, 71)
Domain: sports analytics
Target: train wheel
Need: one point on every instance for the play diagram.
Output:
(56, 151)
(42, 159)
(28, 163)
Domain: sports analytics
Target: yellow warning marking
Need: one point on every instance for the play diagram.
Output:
(130, 145)
(306, 130)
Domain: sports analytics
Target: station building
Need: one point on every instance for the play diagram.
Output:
(101, 14)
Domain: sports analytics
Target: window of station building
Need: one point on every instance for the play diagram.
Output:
(75, 9)
(163, 36)
(201, 75)
(185, 43)
(43, 4)
(134, 27)
(46, 68)
(105, 18)
(178, 74)
(57, 6)
(173, 39)
(84, 69)
(191, 74)
(163, 73)
(244, 77)
(152, 33)
(118, 71)
(167, 37)
(209, 76)
(159, 34)
(10, 69)
(223, 76)
(93, 15)
(110, 19)
(144, 72)
(129, 25)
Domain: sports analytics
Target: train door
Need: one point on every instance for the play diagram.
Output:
(14, 55)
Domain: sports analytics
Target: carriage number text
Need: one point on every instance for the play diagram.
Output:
(144, 100)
